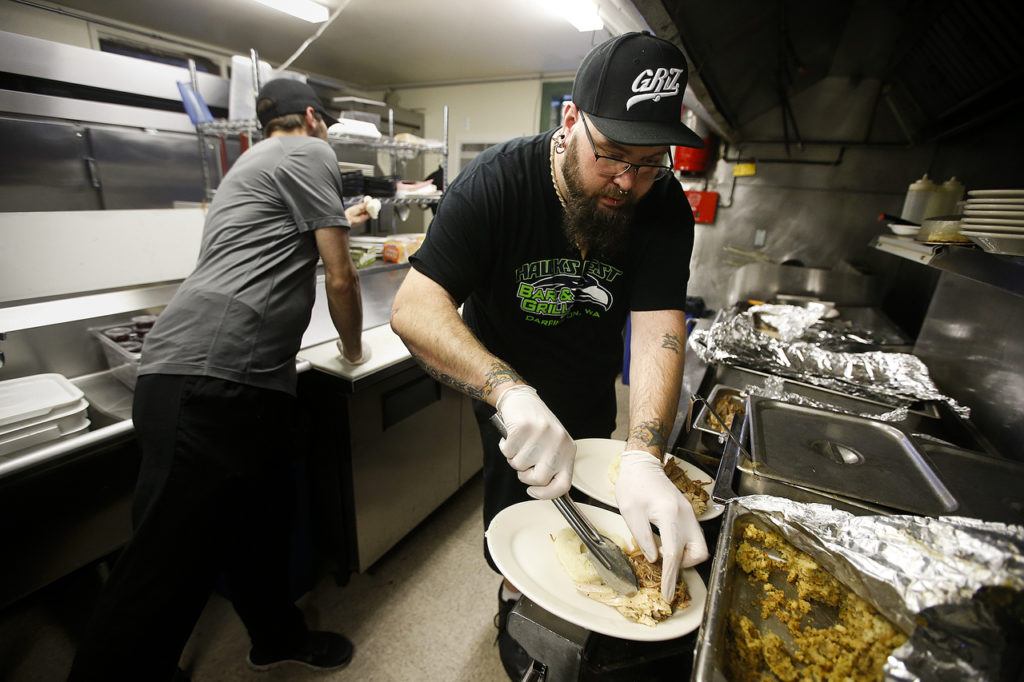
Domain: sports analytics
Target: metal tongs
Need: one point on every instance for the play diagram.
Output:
(608, 558)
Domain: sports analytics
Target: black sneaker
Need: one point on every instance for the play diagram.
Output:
(320, 651)
(514, 658)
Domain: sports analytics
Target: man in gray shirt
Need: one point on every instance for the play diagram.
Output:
(215, 407)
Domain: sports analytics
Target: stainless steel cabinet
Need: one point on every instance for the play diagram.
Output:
(44, 166)
(471, 452)
(148, 169)
(406, 437)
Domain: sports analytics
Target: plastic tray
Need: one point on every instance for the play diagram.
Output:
(53, 415)
(124, 366)
(44, 432)
(34, 398)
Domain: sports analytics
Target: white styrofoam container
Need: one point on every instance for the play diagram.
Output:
(36, 398)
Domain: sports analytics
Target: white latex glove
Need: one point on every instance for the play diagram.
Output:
(645, 496)
(536, 444)
(345, 361)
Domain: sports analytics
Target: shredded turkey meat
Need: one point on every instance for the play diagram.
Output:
(646, 607)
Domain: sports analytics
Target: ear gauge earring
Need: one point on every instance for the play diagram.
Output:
(560, 143)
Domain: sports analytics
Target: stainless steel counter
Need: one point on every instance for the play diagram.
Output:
(54, 337)
(378, 285)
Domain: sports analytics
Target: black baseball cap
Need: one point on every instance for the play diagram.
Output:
(289, 96)
(631, 88)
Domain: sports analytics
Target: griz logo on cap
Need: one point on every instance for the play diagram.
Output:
(654, 85)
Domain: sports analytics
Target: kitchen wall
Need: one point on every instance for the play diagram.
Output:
(39, 23)
(817, 214)
(478, 113)
(821, 214)
(967, 332)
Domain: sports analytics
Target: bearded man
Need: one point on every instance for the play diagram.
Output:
(551, 241)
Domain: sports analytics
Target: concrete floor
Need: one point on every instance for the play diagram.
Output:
(424, 612)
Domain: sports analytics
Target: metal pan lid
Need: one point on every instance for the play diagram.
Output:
(846, 455)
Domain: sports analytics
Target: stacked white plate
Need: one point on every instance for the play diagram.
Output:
(994, 220)
(39, 409)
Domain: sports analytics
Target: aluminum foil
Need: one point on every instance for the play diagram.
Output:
(774, 387)
(947, 582)
(801, 350)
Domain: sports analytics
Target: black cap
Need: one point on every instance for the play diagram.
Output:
(289, 97)
(631, 87)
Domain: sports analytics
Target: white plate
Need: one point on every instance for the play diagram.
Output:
(992, 221)
(520, 544)
(989, 227)
(904, 230)
(997, 242)
(996, 200)
(997, 193)
(1006, 215)
(995, 204)
(590, 473)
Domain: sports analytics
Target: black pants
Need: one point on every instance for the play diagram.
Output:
(502, 487)
(213, 497)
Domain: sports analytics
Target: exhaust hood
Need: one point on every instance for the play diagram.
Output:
(848, 71)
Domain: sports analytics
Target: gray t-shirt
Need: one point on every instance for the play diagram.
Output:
(241, 314)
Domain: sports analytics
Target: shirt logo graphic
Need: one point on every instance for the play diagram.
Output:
(552, 290)
(654, 84)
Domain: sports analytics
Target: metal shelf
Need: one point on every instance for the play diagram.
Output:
(422, 201)
(1002, 272)
(398, 151)
(385, 144)
(411, 201)
(221, 126)
(251, 127)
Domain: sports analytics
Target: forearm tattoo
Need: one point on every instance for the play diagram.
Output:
(650, 433)
(672, 342)
(499, 374)
(449, 380)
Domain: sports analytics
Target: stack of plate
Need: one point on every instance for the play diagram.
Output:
(994, 220)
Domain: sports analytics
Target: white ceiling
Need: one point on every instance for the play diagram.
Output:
(378, 43)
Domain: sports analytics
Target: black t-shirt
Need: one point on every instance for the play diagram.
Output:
(497, 244)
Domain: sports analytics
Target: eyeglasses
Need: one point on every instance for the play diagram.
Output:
(611, 167)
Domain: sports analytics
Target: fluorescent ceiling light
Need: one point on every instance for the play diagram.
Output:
(582, 14)
(307, 10)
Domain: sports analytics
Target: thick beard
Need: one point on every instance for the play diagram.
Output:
(594, 229)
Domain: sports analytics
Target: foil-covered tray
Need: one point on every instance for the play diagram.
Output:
(785, 340)
(953, 585)
(843, 454)
(732, 594)
(772, 385)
